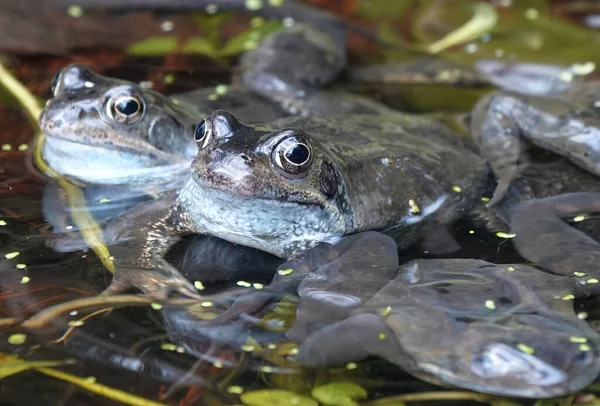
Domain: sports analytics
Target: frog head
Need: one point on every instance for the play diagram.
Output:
(110, 131)
(248, 171)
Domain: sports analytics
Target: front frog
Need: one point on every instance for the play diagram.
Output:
(286, 187)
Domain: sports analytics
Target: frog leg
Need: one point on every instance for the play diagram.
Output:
(289, 66)
(145, 233)
(525, 78)
(499, 139)
(350, 340)
(542, 237)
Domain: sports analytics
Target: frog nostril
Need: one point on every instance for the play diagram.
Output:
(245, 157)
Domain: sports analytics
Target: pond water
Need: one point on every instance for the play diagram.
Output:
(60, 344)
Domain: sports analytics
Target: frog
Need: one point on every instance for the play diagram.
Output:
(517, 334)
(290, 185)
(565, 123)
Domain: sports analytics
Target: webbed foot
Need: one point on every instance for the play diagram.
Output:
(157, 284)
(541, 236)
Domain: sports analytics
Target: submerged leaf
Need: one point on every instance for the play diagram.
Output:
(339, 393)
(276, 397)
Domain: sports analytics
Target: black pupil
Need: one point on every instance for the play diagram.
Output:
(128, 107)
(298, 154)
(200, 130)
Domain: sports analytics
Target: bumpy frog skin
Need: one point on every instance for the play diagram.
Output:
(567, 124)
(242, 175)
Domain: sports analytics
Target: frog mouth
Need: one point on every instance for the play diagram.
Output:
(99, 136)
(240, 193)
(135, 148)
(92, 164)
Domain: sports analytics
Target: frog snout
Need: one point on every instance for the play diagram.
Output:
(60, 114)
(51, 116)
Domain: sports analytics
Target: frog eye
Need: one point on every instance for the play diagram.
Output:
(125, 109)
(203, 134)
(293, 154)
(54, 86)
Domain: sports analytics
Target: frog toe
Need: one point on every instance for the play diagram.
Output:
(155, 284)
(502, 187)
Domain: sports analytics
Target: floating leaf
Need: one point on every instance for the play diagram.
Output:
(276, 397)
(339, 393)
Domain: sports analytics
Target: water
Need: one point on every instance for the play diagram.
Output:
(149, 352)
